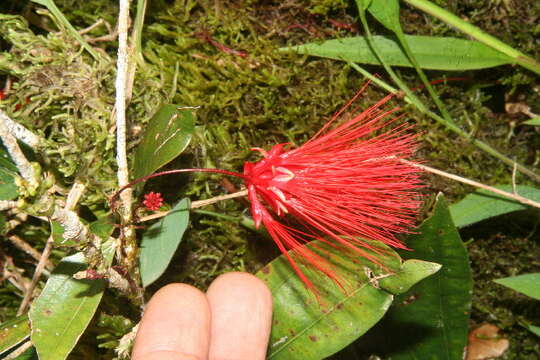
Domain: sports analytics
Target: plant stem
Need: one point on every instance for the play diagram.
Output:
(197, 204)
(477, 184)
(51, 6)
(10, 142)
(136, 36)
(177, 171)
(37, 275)
(128, 245)
(451, 126)
(27, 248)
(475, 32)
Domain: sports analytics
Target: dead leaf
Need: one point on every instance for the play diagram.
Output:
(486, 343)
(519, 108)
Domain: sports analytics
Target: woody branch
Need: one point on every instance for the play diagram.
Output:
(10, 142)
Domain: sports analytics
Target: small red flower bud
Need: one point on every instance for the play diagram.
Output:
(153, 201)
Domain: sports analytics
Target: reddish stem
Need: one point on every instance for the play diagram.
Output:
(176, 171)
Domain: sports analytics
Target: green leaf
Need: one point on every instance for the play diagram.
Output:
(14, 332)
(160, 241)
(167, 134)
(534, 121)
(534, 329)
(438, 53)
(528, 284)
(434, 313)
(8, 189)
(411, 272)
(29, 354)
(387, 13)
(6, 162)
(57, 233)
(102, 227)
(66, 305)
(305, 327)
(483, 204)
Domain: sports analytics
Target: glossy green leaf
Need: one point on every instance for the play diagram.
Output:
(66, 305)
(14, 332)
(160, 242)
(411, 272)
(528, 284)
(438, 53)
(167, 134)
(306, 327)
(431, 320)
(534, 121)
(483, 204)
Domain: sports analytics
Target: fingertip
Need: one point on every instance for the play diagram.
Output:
(242, 281)
(241, 306)
(176, 321)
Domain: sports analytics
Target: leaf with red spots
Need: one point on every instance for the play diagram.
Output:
(65, 307)
(309, 327)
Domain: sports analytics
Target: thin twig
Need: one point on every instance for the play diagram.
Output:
(91, 27)
(120, 105)
(514, 173)
(197, 204)
(37, 275)
(477, 184)
(10, 142)
(27, 248)
(22, 133)
(21, 349)
(128, 246)
(14, 275)
(74, 229)
(7, 205)
(74, 195)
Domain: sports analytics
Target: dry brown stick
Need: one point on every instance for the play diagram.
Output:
(477, 184)
(27, 248)
(37, 275)
(21, 349)
(197, 204)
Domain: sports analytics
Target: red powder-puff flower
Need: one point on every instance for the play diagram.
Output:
(347, 183)
(344, 184)
(153, 201)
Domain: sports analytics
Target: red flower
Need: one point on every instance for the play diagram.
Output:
(153, 201)
(342, 185)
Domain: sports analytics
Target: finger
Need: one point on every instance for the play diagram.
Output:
(241, 307)
(175, 325)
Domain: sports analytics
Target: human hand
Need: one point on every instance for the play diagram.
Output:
(230, 322)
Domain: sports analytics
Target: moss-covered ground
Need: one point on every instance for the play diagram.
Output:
(249, 94)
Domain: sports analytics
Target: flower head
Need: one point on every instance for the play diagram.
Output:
(153, 201)
(344, 184)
